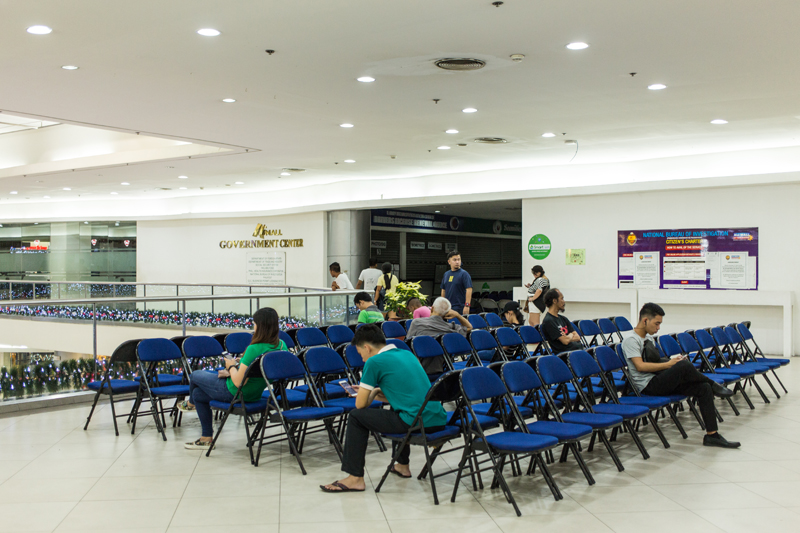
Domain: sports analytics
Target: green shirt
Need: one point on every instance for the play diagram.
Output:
(370, 315)
(404, 383)
(253, 388)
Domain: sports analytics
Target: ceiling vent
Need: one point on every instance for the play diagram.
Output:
(460, 64)
(294, 170)
(490, 140)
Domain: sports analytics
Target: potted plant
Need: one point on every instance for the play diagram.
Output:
(396, 301)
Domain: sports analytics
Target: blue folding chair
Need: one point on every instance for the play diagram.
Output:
(485, 345)
(407, 323)
(622, 325)
(511, 343)
(124, 353)
(280, 369)
(459, 351)
(477, 322)
(310, 338)
(237, 343)
(555, 373)
(150, 353)
(493, 320)
(731, 359)
(338, 335)
(287, 340)
(754, 352)
(353, 360)
(530, 335)
(608, 329)
(707, 352)
(393, 330)
(591, 333)
(427, 350)
(397, 343)
(481, 384)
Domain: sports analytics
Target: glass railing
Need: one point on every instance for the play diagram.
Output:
(177, 308)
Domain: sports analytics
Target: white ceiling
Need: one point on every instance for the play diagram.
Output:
(144, 69)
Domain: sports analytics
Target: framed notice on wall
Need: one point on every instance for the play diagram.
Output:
(266, 268)
(688, 259)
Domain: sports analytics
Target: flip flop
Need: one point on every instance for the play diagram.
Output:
(342, 487)
(398, 474)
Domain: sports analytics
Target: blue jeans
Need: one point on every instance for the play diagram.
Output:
(205, 386)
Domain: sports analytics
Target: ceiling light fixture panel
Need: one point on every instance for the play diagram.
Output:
(365, 79)
(39, 30)
(719, 121)
(208, 32)
(346, 125)
(469, 110)
(577, 46)
(656, 86)
(70, 67)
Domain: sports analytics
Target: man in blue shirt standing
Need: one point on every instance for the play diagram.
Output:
(457, 284)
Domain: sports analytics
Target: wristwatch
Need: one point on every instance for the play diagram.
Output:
(466, 305)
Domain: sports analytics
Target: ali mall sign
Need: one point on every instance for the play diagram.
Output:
(263, 241)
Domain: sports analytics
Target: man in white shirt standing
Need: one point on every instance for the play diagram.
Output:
(340, 279)
(368, 279)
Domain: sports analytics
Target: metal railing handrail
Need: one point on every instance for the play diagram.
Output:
(166, 284)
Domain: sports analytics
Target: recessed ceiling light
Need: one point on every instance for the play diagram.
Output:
(469, 110)
(286, 173)
(13, 192)
(45, 197)
(70, 67)
(451, 130)
(124, 183)
(239, 183)
(349, 160)
(719, 121)
(67, 189)
(656, 86)
(39, 30)
(437, 211)
(548, 134)
(183, 177)
(443, 147)
(228, 100)
(113, 193)
(208, 32)
(346, 125)
(182, 188)
(577, 46)
(366, 79)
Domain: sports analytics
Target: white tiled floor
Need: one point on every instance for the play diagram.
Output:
(56, 477)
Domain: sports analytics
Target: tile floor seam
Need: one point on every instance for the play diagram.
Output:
(180, 500)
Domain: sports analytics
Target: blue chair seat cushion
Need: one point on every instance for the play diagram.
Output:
(486, 422)
(166, 379)
(756, 367)
(783, 362)
(594, 420)
(294, 397)
(516, 442)
(250, 407)
(485, 408)
(722, 379)
(170, 390)
(651, 402)
(333, 391)
(625, 411)
(311, 413)
(118, 386)
(349, 404)
(771, 364)
(559, 430)
(736, 371)
(447, 433)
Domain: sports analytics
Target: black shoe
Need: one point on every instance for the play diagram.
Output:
(718, 440)
(721, 391)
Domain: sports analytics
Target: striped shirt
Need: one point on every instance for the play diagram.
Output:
(370, 315)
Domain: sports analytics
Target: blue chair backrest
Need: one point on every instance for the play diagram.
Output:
(287, 340)
(670, 346)
(493, 320)
(621, 354)
(425, 346)
(688, 343)
(238, 342)
(704, 338)
(408, 324)
(202, 346)
(477, 322)
(606, 326)
(507, 337)
(324, 360)
(588, 328)
(339, 334)
(353, 357)
(661, 353)
(399, 344)
(307, 337)
(607, 359)
(393, 330)
(530, 335)
(720, 337)
(582, 364)
(480, 383)
(733, 335)
(482, 340)
(155, 350)
(553, 370)
(622, 324)
(744, 331)
(282, 366)
(456, 344)
(520, 377)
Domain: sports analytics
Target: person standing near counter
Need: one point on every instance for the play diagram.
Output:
(536, 292)
(457, 284)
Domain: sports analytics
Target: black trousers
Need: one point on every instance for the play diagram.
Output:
(684, 378)
(360, 423)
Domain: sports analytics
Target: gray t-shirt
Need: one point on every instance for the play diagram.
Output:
(633, 346)
(433, 326)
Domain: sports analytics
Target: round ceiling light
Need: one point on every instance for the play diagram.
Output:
(656, 86)
(67, 189)
(183, 177)
(286, 173)
(451, 131)
(228, 100)
(39, 30)
(469, 110)
(460, 64)
(70, 67)
(548, 134)
(443, 147)
(208, 32)
(346, 125)
(124, 183)
(577, 46)
(349, 160)
(719, 121)
(365, 79)
(13, 192)
(239, 183)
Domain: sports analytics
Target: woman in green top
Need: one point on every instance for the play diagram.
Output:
(205, 386)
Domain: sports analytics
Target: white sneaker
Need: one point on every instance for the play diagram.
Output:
(198, 445)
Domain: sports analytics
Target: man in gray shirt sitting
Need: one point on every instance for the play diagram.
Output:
(437, 324)
(654, 377)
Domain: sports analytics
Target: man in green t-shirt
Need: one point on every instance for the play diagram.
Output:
(393, 376)
(369, 312)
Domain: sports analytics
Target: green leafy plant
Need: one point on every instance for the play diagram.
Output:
(405, 291)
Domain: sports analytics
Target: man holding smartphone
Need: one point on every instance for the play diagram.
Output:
(674, 376)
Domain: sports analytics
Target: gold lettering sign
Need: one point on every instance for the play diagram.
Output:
(263, 232)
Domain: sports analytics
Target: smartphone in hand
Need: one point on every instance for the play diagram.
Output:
(348, 388)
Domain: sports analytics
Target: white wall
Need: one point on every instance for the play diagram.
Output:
(592, 222)
(188, 250)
